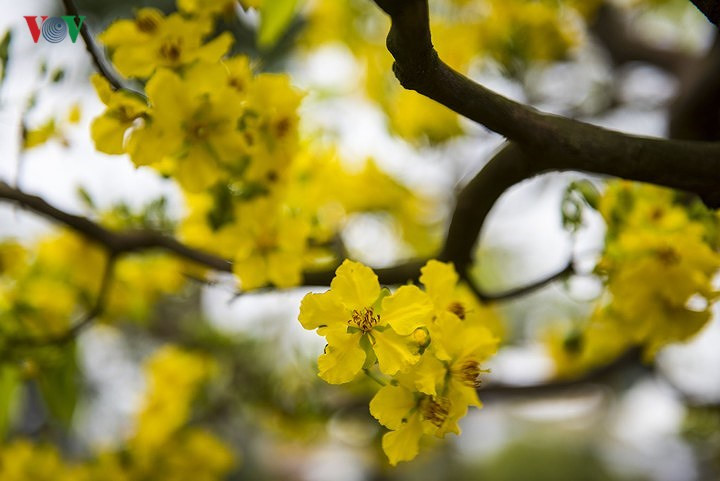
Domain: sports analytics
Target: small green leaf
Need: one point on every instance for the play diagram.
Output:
(57, 75)
(85, 197)
(59, 384)
(275, 17)
(4, 54)
(9, 394)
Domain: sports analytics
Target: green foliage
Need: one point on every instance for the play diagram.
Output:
(59, 384)
(9, 393)
(275, 18)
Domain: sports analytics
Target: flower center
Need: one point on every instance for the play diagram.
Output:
(435, 410)
(282, 127)
(364, 319)
(171, 49)
(469, 374)
(237, 82)
(457, 309)
(668, 256)
(147, 23)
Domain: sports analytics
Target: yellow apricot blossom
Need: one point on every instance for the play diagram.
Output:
(435, 394)
(657, 259)
(174, 376)
(153, 41)
(356, 320)
(271, 244)
(192, 131)
(122, 109)
(441, 282)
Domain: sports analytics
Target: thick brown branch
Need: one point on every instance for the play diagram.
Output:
(695, 113)
(623, 47)
(508, 167)
(556, 143)
(711, 9)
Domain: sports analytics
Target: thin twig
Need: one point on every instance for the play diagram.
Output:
(566, 271)
(87, 319)
(102, 66)
(600, 375)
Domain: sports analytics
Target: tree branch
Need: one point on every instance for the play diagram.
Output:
(711, 9)
(624, 47)
(514, 293)
(601, 375)
(695, 113)
(554, 143)
(96, 54)
(115, 242)
(118, 243)
(67, 336)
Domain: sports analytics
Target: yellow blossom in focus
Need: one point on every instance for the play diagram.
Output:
(356, 321)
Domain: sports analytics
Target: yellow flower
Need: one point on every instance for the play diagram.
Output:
(270, 124)
(174, 376)
(193, 126)
(657, 258)
(35, 137)
(356, 320)
(435, 393)
(441, 283)
(122, 109)
(22, 460)
(271, 243)
(206, 7)
(153, 41)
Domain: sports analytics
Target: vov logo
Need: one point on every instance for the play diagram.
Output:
(54, 29)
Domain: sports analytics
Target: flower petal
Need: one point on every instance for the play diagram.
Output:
(439, 279)
(407, 309)
(342, 360)
(429, 373)
(393, 351)
(391, 406)
(356, 285)
(404, 443)
(321, 310)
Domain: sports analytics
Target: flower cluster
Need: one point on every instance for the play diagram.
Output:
(429, 346)
(660, 258)
(161, 447)
(71, 268)
(230, 137)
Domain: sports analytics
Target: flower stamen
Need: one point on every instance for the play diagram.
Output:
(435, 410)
(458, 309)
(469, 374)
(365, 319)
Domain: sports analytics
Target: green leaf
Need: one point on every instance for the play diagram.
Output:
(85, 197)
(4, 55)
(275, 17)
(9, 395)
(59, 384)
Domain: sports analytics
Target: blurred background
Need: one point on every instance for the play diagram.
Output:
(279, 420)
